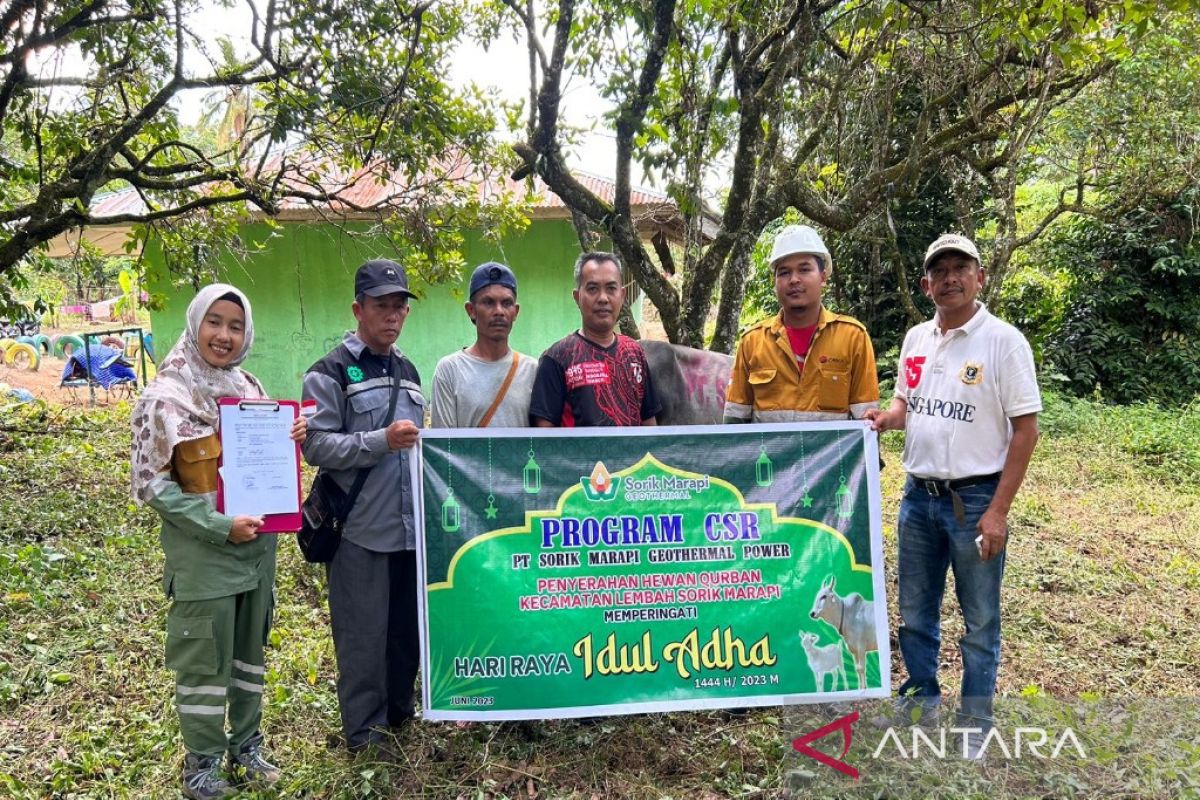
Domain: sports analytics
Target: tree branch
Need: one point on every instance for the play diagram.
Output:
(631, 113)
(527, 19)
(662, 249)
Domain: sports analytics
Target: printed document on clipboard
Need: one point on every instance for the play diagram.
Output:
(259, 472)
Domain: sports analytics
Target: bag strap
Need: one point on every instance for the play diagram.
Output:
(508, 379)
(361, 477)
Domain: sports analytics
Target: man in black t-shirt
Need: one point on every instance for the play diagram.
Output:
(595, 376)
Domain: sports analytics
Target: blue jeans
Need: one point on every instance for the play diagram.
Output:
(931, 539)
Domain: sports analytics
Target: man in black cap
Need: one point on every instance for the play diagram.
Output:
(487, 384)
(368, 410)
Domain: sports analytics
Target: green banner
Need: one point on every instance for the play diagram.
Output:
(607, 571)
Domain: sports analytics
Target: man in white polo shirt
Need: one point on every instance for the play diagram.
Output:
(967, 398)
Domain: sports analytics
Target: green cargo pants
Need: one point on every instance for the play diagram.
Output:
(215, 648)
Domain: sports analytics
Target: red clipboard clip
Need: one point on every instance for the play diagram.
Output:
(272, 523)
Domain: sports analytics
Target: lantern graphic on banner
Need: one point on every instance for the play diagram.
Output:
(845, 503)
(764, 469)
(451, 513)
(532, 474)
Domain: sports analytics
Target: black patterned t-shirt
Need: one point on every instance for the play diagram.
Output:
(581, 384)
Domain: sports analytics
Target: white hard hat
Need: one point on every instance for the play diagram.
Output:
(799, 239)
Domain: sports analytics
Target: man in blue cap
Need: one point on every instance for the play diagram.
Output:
(487, 384)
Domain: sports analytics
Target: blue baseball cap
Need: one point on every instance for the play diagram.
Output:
(492, 273)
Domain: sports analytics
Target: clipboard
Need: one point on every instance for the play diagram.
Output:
(287, 522)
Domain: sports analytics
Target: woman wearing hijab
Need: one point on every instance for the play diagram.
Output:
(219, 572)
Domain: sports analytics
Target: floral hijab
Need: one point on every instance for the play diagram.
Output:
(180, 404)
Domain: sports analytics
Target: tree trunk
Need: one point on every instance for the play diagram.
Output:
(733, 292)
(910, 308)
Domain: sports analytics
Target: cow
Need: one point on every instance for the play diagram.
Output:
(853, 617)
(690, 383)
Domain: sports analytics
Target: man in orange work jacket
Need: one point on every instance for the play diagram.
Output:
(807, 363)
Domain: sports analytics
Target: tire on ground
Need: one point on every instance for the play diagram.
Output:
(63, 342)
(22, 355)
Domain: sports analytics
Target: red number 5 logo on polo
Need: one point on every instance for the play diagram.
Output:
(912, 370)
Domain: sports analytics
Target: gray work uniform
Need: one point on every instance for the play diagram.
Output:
(372, 578)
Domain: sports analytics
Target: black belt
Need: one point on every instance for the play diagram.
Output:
(937, 488)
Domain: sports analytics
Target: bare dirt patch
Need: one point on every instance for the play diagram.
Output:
(45, 382)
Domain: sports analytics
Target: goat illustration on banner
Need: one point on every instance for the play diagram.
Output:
(650, 569)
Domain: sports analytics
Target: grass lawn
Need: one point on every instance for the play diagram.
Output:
(1101, 636)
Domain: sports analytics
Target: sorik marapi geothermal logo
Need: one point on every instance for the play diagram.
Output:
(603, 486)
(910, 743)
(600, 486)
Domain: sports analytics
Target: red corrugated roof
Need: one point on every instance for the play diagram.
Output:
(376, 187)
(125, 202)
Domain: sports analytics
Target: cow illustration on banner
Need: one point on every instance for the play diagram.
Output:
(611, 571)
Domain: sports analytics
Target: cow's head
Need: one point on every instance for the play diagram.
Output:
(808, 639)
(824, 596)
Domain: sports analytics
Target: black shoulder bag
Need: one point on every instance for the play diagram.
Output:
(325, 510)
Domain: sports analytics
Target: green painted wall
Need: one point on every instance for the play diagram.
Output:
(301, 288)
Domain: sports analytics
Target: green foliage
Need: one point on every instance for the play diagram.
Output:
(865, 282)
(322, 100)
(837, 110)
(1158, 442)
(43, 284)
(1137, 129)
(29, 293)
(1034, 300)
(1132, 323)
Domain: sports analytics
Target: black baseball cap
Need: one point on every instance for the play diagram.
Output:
(380, 277)
(491, 273)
